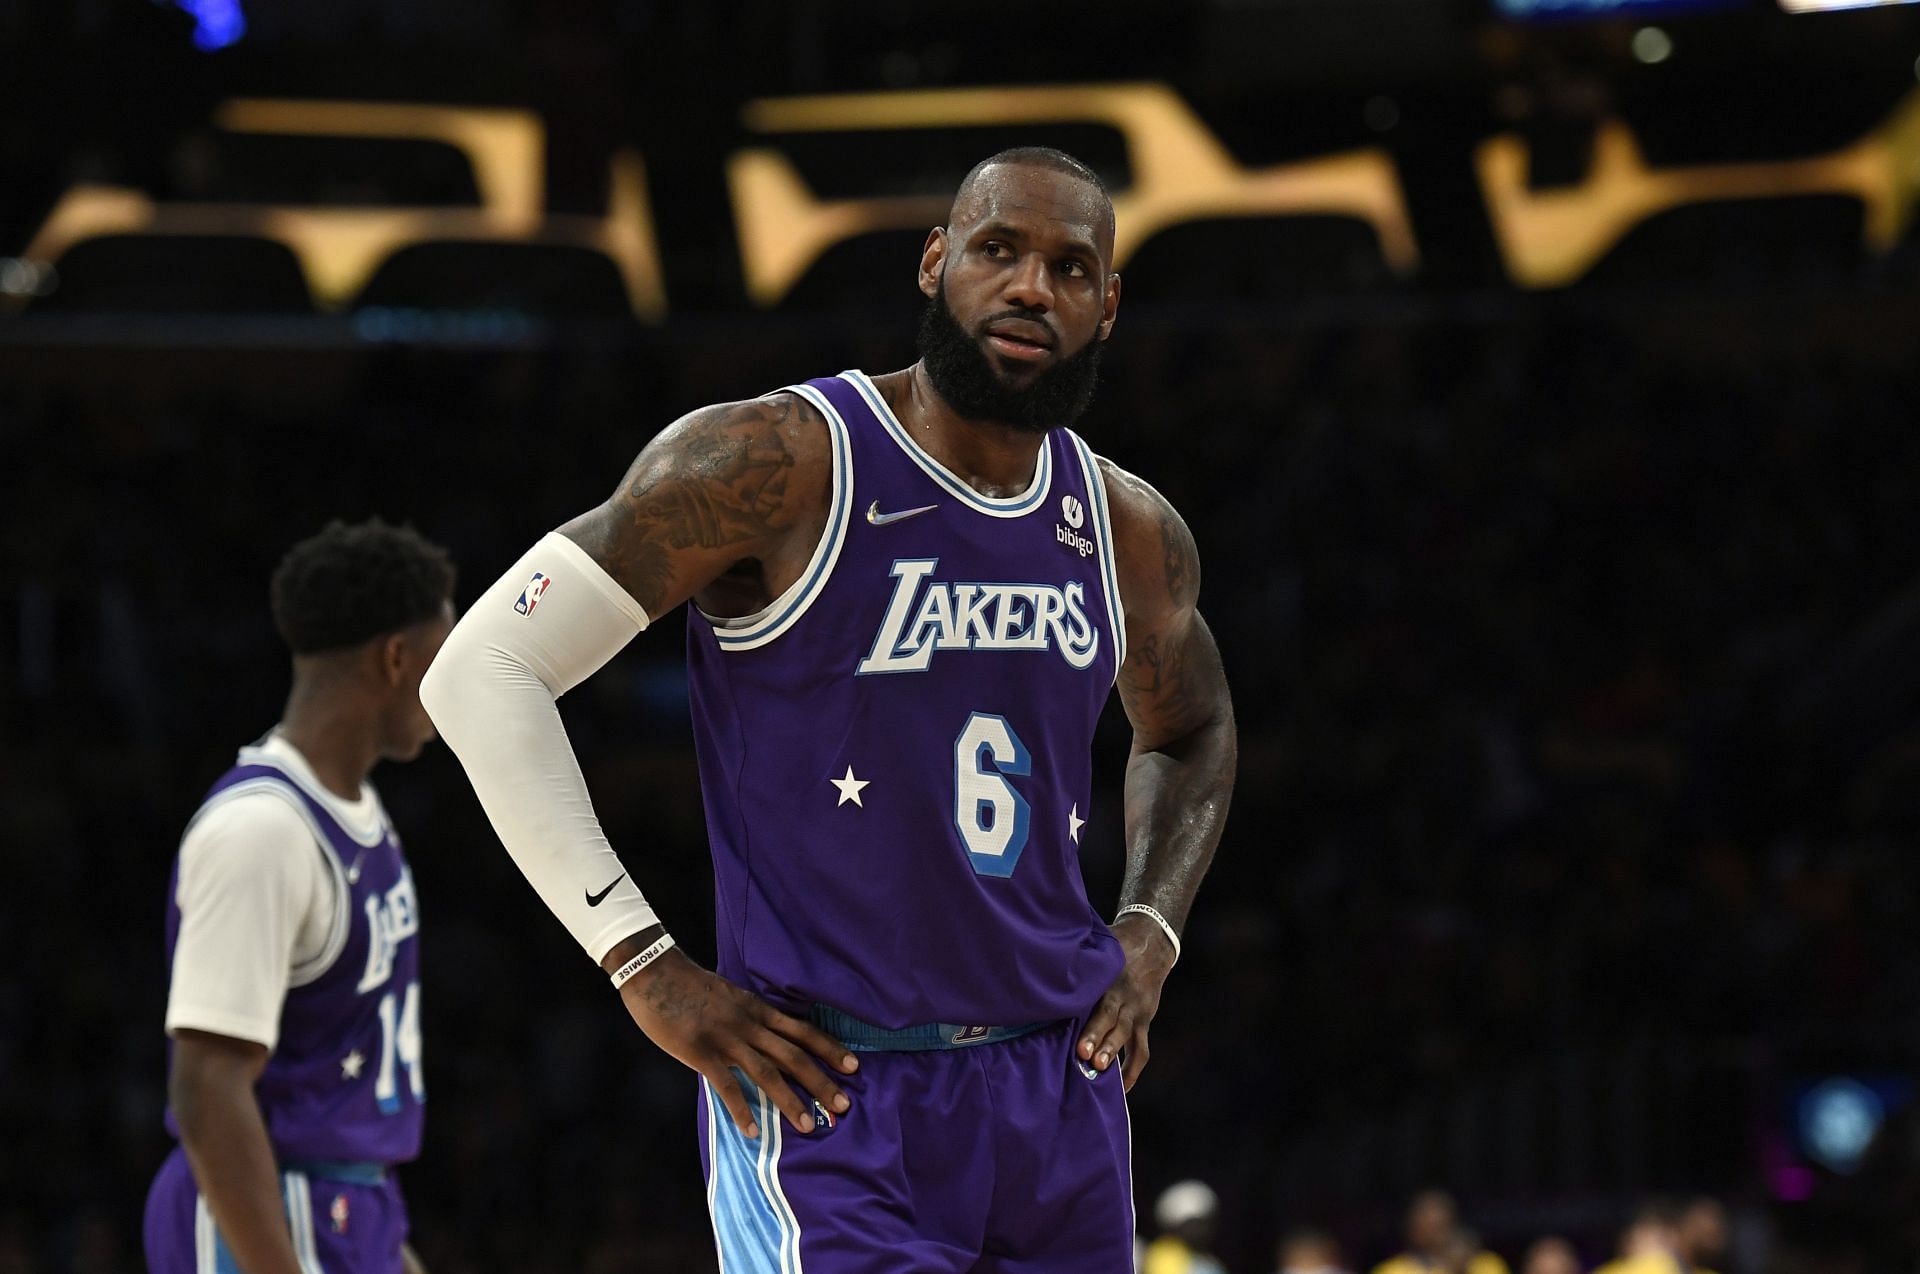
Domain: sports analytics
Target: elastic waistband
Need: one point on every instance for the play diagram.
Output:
(347, 1172)
(863, 1037)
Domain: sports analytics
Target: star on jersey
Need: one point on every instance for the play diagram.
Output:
(350, 1065)
(1075, 823)
(850, 789)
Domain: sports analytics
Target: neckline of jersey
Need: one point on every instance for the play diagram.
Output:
(364, 821)
(1012, 506)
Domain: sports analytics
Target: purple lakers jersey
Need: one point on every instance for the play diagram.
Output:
(344, 1082)
(896, 754)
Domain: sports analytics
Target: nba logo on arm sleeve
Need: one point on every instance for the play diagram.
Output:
(530, 595)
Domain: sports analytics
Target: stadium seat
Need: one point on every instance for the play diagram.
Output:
(201, 274)
(873, 271)
(551, 280)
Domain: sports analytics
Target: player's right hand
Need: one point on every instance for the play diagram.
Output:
(714, 1026)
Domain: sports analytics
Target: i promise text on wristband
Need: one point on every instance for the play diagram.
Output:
(1141, 908)
(659, 947)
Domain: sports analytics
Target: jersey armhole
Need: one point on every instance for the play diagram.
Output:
(1109, 568)
(300, 973)
(750, 632)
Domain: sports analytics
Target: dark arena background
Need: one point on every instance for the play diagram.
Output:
(1539, 378)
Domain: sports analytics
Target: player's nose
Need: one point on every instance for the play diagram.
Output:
(1029, 285)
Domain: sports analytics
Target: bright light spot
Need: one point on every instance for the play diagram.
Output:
(216, 23)
(20, 277)
(1838, 1121)
(1651, 45)
(1834, 6)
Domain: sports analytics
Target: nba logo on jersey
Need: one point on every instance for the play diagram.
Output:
(337, 1214)
(531, 594)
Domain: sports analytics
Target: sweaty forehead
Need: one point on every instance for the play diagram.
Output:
(1030, 196)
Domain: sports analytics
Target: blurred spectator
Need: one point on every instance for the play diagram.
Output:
(1437, 1241)
(1701, 1235)
(1651, 1242)
(1188, 1214)
(1551, 1255)
(1310, 1251)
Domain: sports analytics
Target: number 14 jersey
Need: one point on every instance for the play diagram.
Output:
(896, 754)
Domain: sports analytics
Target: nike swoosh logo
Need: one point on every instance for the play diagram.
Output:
(881, 519)
(353, 872)
(594, 900)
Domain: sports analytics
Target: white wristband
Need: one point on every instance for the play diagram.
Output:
(1141, 908)
(626, 971)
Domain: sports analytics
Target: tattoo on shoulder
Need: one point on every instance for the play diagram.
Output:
(719, 480)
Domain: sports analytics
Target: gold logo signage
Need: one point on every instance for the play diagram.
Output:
(339, 248)
(1181, 173)
(1550, 238)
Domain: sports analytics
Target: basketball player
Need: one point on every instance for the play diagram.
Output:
(913, 594)
(294, 1081)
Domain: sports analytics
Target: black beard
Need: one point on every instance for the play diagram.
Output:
(962, 373)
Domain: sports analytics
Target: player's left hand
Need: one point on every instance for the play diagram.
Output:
(1117, 1030)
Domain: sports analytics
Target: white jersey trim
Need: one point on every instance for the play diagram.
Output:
(1012, 506)
(750, 632)
(714, 1114)
(369, 834)
(1109, 566)
(772, 1129)
(206, 1243)
(299, 1198)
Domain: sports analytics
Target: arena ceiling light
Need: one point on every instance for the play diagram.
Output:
(1834, 6)
(1568, 10)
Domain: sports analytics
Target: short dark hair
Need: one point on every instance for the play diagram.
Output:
(353, 582)
(1040, 157)
(1037, 157)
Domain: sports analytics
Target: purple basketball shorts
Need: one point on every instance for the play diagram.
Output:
(992, 1158)
(339, 1226)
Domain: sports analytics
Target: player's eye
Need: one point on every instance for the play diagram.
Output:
(995, 248)
(1073, 269)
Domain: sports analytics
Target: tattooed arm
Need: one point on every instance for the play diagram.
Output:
(726, 504)
(1180, 774)
(737, 491)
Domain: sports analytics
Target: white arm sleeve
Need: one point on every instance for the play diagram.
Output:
(547, 625)
(255, 900)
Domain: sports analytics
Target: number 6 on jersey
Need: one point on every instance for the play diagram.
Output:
(991, 815)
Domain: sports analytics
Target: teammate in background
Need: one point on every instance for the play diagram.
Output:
(913, 594)
(294, 1080)
(1188, 1213)
(1436, 1240)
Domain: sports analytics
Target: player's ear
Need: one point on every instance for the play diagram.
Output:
(932, 257)
(393, 658)
(1110, 306)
